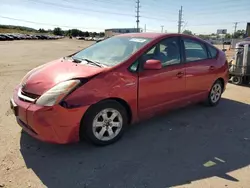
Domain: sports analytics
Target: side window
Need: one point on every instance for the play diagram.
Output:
(151, 52)
(134, 66)
(167, 51)
(194, 50)
(212, 51)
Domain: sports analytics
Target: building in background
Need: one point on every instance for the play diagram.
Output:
(117, 31)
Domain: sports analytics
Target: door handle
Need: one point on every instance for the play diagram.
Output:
(211, 68)
(180, 74)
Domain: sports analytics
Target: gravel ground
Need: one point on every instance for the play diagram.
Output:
(192, 147)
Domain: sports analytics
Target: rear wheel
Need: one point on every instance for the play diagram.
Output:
(104, 123)
(215, 94)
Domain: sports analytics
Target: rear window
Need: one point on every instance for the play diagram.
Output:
(213, 51)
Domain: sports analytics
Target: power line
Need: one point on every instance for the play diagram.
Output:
(214, 24)
(213, 11)
(184, 26)
(200, 9)
(97, 11)
(100, 3)
(93, 10)
(47, 24)
(80, 9)
(197, 4)
(138, 14)
(114, 1)
(225, 6)
(157, 18)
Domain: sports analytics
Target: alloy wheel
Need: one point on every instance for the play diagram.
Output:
(107, 124)
(216, 93)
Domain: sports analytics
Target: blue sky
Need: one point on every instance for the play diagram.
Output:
(95, 15)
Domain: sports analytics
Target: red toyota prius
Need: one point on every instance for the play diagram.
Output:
(97, 92)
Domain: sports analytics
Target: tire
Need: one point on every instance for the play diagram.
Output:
(215, 93)
(237, 80)
(97, 125)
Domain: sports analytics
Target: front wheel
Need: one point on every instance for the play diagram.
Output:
(104, 123)
(215, 94)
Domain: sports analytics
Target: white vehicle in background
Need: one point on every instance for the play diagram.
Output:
(100, 39)
(80, 38)
(96, 38)
(89, 38)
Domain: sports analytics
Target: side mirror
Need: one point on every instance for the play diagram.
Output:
(224, 50)
(152, 64)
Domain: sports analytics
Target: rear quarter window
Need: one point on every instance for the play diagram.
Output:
(213, 51)
(194, 50)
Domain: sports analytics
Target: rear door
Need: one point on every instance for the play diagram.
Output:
(165, 88)
(200, 68)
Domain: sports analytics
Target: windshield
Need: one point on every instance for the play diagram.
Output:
(112, 51)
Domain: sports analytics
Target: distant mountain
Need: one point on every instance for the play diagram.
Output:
(15, 27)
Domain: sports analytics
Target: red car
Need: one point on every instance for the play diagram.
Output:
(97, 92)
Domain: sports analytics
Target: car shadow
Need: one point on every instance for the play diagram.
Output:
(185, 145)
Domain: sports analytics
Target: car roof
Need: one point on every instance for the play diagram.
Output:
(155, 35)
(146, 35)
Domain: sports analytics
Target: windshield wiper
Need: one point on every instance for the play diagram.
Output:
(88, 60)
(93, 62)
(74, 59)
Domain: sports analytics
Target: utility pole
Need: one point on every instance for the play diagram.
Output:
(145, 28)
(180, 20)
(137, 14)
(162, 26)
(235, 27)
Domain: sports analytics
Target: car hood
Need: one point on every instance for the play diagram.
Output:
(44, 77)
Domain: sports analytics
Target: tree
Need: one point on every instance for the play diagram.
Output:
(204, 37)
(58, 31)
(239, 33)
(49, 31)
(41, 30)
(187, 32)
(86, 34)
(76, 32)
(68, 32)
(228, 36)
(102, 34)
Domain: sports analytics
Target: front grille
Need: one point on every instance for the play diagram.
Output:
(30, 95)
(26, 96)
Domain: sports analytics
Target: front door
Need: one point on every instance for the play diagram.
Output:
(165, 88)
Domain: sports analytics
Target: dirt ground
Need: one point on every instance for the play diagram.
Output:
(191, 147)
(229, 52)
